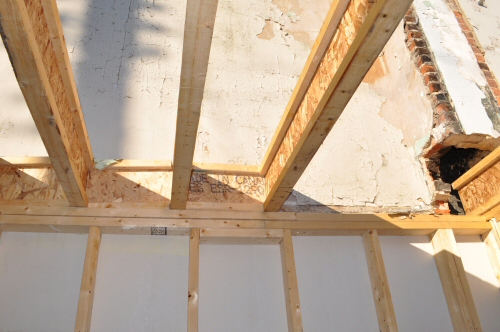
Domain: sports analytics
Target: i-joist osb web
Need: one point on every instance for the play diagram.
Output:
(64, 193)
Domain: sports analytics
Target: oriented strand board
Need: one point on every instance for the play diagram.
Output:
(30, 184)
(226, 188)
(42, 35)
(476, 194)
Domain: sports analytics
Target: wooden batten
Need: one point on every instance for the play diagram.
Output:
(194, 279)
(480, 186)
(332, 20)
(198, 31)
(33, 42)
(361, 35)
(86, 300)
(380, 284)
(463, 313)
(290, 283)
(492, 241)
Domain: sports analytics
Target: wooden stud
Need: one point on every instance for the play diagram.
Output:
(332, 20)
(241, 236)
(492, 241)
(380, 284)
(293, 309)
(194, 279)
(61, 51)
(478, 169)
(25, 162)
(26, 33)
(198, 31)
(360, 37)
(456, 288)
(86, 300)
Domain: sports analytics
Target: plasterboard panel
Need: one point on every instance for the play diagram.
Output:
(334, 286)
(40, 277)
(141, 284)
(241, 289)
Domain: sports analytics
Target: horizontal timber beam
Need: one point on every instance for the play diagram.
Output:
(20, 218)
(32, 35)
(198, 31)
(358, 40)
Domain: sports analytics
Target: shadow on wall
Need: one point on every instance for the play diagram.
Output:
(112, 52)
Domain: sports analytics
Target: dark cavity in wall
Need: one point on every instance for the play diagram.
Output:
(451, 165)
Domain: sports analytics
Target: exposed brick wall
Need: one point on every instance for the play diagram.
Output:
(476, 48)
(444, 112)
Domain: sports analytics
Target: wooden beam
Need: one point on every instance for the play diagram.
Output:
(492, 241)
(241, 236)
(332, 20)
(68, 79)
(456, 288)
(380, 284)
(86, 300)
(301, 223)
(33, 52)
(478, 169)
(25, 162)
(360, 37)
(293, 309)
(194, 279)
(198, 30)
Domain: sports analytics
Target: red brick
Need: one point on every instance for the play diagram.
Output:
(471, 41)
(423, 60)
(434, 87)
(415, 43)
(427, 69)
(496, 92)
(410, 19)
(431, 77)
(480, 57)
(421, 51)
(476, 49)
(483, 66)
(411, 26)
(498, 101)
(468, 34)
(464, 27)
(414, 34)
(457, 14)
(443, 108)
(447, 118)
(492, 83)
(488, 74)
(433, 150)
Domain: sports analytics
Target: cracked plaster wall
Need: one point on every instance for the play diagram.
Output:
(486, 23)
(18, 133)
(464, 79)
(370, 158)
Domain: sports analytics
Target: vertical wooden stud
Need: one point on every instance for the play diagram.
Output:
(492, 241)
(380, 284)
(86, 300)
(454, 281)
(194, 279)
(293, 309)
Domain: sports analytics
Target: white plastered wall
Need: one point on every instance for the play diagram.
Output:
(142, 284)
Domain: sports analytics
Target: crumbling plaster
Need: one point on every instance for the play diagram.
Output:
(370, 158)
(486, 23)
(462, 76)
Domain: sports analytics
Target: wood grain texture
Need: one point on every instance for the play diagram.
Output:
(478, 169)
(198, 31)
(360, 37)
(492, 241)
(332, 20)
(380, 284)
(290, 283)
(86, 299)
(456, 288)
(30, 184)
(482, 193)
(26, 36)
(194, 279)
